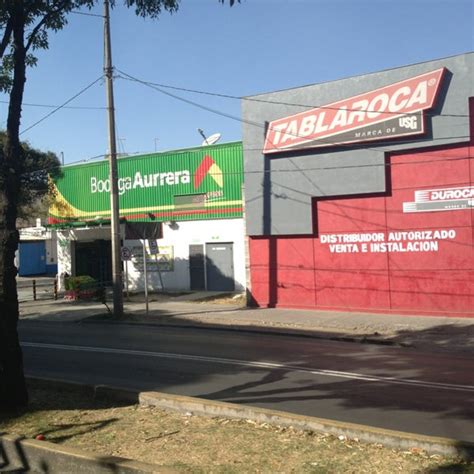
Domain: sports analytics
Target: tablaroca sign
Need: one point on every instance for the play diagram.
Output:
(392, 111)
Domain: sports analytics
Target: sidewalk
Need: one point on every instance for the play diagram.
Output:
(427, 332)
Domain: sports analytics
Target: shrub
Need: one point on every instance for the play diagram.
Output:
(80, 283)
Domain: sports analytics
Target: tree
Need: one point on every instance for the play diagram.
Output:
(24, 26)
(33, 199)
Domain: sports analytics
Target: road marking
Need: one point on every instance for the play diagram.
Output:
(256, 364)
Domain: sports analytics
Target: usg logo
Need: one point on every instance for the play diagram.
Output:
(408, 122)
(208, 167)
(391, 111)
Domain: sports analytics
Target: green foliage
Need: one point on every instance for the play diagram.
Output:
(80, 283)
(34, 170)
(84, 287)
(41, 16)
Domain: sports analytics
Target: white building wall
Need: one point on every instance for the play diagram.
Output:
(65, 240)
(51, 251)
(64, 255)
(179, 236)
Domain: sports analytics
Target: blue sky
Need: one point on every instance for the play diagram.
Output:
(257, 46)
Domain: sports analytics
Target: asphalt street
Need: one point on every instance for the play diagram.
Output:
(388, 387)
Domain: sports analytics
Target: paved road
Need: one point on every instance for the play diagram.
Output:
(395, 388)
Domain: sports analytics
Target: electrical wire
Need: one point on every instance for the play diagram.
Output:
(80, 107)
(62, 105)
(87, 14)
(275, 171)
(235, 118)
(324, 141)
(254, 99)
(187, 101)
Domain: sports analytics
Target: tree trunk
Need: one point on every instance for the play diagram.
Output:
(13, 393)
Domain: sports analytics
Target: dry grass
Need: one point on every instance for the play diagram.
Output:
(206, 445)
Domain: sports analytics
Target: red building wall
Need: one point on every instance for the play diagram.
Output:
(310, 272)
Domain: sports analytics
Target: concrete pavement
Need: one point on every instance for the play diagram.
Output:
(222, 311)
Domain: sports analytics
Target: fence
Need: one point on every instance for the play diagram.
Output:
(39, 289)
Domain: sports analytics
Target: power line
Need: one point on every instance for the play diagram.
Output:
(87, 14)
(316, 168)
(56, 106)
(187, 101)
(436, 157)
(253, 99)
(327, 141)
(62, 105)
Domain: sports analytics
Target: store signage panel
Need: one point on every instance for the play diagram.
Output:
(153, 246)
(182, 185)
(389, 112)
(411, 241)
(443, 199)
(162, 261)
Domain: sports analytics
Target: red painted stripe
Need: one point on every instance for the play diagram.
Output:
(53, 220)
(182, 213)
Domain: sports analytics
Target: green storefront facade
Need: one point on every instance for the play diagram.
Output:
(194, 194)
(197, 183)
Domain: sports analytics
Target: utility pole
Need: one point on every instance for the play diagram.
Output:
(114, 195)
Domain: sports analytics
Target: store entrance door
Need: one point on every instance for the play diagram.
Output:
(220, 267)
(196, 267)
(94, 259)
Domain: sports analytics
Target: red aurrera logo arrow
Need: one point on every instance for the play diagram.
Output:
(208, 167)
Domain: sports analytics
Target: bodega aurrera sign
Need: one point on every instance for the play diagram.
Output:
(392, 111)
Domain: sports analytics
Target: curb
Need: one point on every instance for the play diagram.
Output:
(29, 455)
(390, 438)
(184, 404)
(261, 329)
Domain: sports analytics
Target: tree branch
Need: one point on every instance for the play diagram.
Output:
(6, 36)
(42, 22)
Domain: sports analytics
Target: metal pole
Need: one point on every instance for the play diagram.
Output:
(159, 272)
(114, 196)
(145, 276)
(55, 288)
(126, 279)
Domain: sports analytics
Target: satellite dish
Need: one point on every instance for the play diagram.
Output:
(211, 140)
